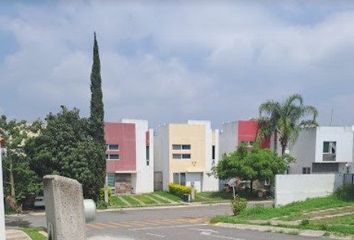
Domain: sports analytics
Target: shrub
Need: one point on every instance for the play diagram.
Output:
(179, 190)
(346, 192)
(238, 205)
(109, 194)
(101, 204)
(304, 222)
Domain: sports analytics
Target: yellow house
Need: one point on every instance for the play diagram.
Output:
(185, 153)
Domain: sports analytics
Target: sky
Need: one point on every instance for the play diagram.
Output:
(170, 61)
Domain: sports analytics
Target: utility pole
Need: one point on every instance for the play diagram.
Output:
(330, 124)
(2, 209)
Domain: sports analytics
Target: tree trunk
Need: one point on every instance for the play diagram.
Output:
(275, 141)
(12, 181)
(283, 147)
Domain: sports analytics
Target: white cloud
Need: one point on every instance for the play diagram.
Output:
(174, 61)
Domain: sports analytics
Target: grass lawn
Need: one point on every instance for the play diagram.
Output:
(156, 198)
(131, 200)
(213, 196)
(168, 196)
(145, 199)
(34, 233)
(117, 202)
(344, 224)
(299, 211)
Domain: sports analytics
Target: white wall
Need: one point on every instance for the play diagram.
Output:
(303, 150)
(343, 136)
(292, 188)
(228, 138)
(196, 178)
(144, 173)
(161, 153)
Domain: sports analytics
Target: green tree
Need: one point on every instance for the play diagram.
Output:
(251, 164)
(97, 116)
(97, 109)
(19, 179)
(65, 147)
(285, 119)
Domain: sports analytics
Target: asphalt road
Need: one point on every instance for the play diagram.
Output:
(182, 223)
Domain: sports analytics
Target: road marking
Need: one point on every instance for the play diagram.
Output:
(204, 230)
(166, 226)
(220, 236)
(155, 235)
(212, 233)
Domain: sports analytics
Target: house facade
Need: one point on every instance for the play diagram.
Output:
(129, 156)
(237, 132)
(185, 154)
(323, 150)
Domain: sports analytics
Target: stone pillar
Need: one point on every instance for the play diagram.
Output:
(64, 208)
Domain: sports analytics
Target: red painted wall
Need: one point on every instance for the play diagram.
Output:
(122, 134)
(247, 131)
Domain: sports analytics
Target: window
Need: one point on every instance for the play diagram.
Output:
(213, 152)
(112, 147)
(181, 146)
(112, 156)
(176, 147)
(181, 156)
(111, 180)
(306, 170)
(176, 156)
(147, 152)
(329, 151)
(186, 147)
(329, 147)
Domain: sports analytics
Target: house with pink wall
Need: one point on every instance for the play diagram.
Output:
(129, 156)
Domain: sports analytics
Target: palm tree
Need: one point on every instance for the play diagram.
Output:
(285, 119)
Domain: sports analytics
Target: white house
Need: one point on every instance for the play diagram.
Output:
(323, 150)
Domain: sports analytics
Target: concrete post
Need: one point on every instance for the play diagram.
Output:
(64, 208)
(2, 209)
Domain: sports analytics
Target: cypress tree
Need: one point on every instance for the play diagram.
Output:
(96, 121)
(97, 111)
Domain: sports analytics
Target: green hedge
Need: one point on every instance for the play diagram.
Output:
(179, 190)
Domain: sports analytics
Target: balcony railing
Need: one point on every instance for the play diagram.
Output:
(329, 157)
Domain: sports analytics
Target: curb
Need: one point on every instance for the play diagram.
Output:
(181, 205)
(274, 229)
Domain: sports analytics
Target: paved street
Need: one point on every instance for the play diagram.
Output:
(187, 223)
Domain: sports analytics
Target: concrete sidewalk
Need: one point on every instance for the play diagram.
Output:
(15, 234)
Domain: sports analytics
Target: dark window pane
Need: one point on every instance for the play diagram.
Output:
(186, 146)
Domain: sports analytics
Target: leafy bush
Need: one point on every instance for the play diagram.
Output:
(238, 205)
(345, 192)
(179, 190)
(101, 204)
(109, 194)
(304, 222)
